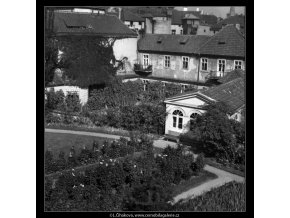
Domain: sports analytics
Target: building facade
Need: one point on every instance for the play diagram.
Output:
(184, 108)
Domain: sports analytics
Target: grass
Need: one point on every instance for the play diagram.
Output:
(97, 129)
(57, 142)
(193, 182)
(213, 163)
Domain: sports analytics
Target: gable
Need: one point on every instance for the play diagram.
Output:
(195, 100)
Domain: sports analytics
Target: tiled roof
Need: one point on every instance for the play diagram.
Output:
(237, 19)
(90, 24)
(232, 75)
(227, 42)
(231, 93)
(178, 15)
(129, 16)
(150, 11)
(171, 43)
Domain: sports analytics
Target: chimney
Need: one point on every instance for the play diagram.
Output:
(201, 12)
(197, 9)
(184, 9)
(238, 26)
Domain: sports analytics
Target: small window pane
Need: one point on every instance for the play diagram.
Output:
(180, 123)
(174, 121)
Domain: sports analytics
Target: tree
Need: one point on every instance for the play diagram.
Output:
(218, 133)
(91, 59)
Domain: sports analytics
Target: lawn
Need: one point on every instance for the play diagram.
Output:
(193, 182)
(57, 142)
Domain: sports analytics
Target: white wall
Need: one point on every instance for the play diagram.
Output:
(177, 28)
(126, 47)
(187, 111)
(83, 93)
(135, 25)
(204, 30)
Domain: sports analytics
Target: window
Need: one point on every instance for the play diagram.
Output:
(131, 23)
(181, 32)
(177, 119)
(204, 30)
(193, 117)
(221, 65)
(238, 64)
(204, 64)
(173, 32)
(185, 61)
(140, 23)
(167, 61)
(145, 59)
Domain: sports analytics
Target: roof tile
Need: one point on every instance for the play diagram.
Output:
(104, 25)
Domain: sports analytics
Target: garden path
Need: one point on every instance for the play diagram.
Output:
(223, 177)
(160, 143)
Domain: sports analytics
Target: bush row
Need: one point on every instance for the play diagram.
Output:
(113, 150)
(134, 183)
(58, 101)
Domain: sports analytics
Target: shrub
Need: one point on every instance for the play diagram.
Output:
(52, 118)
(72, 102)
(55, 100)
(199, 163)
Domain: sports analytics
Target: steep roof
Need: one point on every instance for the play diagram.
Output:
(237, 19)
(149, 11)
(171, 43)
(227, 42)
(232, 75)
(129, 16)
(232, 93)
(90, 24)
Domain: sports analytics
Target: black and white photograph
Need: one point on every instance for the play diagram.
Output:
(145, 109)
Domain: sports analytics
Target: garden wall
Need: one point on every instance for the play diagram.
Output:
(83, 93)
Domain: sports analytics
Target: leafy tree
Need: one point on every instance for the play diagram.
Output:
(52, 59)
(218, 133)
(91, 59)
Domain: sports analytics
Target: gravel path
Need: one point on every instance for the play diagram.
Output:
(160, 143)
(223, 178)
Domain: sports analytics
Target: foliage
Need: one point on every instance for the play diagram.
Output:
(72, 101)
(199, 163)
(116, 94)
(91, 59)
(55, 100)
(131, 183)
(229, 197)
(52, 61)
(219, 133)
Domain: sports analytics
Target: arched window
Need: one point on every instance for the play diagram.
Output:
(177, 119)
(193, 116)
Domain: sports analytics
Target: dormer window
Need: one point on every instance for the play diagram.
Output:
(159, 40)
